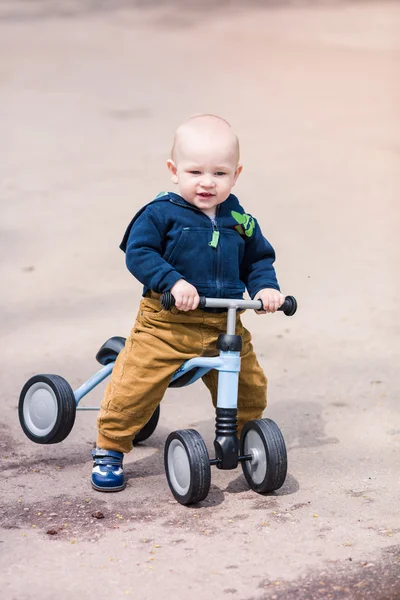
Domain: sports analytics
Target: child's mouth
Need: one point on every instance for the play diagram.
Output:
(205, 195)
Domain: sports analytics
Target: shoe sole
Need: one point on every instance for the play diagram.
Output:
(110, 489)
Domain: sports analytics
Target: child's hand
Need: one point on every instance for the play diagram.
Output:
(271, 299)
(185, 294)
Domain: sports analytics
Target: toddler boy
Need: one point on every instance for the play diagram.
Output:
(197, 242)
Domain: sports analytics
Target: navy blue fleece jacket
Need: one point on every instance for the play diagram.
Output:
(170, 239)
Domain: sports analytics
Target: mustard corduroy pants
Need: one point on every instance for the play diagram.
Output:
(159, 343)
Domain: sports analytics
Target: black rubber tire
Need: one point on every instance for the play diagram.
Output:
(148, 429)
(198, 464)
(272, 454)
(65, 411)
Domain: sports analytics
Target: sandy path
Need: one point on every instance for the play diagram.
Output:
(89, 100)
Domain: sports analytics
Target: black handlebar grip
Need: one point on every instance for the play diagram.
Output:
(289, 307)
(168, 301)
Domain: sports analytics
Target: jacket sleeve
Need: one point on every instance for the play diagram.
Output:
(144, 249)
(257, 270)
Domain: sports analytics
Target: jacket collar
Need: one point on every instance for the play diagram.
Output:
(224, 209)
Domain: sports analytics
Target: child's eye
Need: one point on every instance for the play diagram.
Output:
(220, 173)
(194, 172)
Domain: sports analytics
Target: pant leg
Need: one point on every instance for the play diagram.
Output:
(252, 393)
(157, 346)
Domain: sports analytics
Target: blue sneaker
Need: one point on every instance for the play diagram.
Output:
(107, 473)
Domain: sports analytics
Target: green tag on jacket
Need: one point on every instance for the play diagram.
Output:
(214, 241)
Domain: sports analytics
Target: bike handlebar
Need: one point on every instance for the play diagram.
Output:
(289, 306)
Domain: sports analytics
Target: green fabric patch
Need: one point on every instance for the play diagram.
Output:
(246, 221)
(239, 229)
(161, 194)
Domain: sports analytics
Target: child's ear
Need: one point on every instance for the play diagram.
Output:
(237, 173)
(172, 169)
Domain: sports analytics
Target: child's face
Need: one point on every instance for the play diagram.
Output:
(205, 172)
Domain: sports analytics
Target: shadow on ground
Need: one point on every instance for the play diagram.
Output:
(379, 579)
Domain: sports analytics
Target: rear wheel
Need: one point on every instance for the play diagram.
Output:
(47, 409)
(187, 466)
(263, 440)
(148, 429)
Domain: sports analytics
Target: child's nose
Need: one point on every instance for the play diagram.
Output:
(208, 180)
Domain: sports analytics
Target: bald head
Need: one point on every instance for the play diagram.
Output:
(205, 133)
(204, 161)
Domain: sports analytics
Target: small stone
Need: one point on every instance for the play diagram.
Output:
(97, 514)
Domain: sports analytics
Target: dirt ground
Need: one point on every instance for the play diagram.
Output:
(90, 95)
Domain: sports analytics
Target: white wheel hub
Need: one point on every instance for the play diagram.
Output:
(255, 453)
(40, 409)
(257, 466)
(178, 467)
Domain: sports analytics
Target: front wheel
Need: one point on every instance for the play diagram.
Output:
(47, 409)
(187, 466)
(263, 440)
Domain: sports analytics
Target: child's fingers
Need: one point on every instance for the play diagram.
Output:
(278, 301)
(269, 306)
(184, 303)
(187, 303)
(180, 302)
(271, 303)
(195, 302)
(274, 304)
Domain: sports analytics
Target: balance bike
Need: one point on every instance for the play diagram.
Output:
(47, 409)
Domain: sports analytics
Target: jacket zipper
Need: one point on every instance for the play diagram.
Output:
(214, 244)
(215, 235)
(214, 240)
